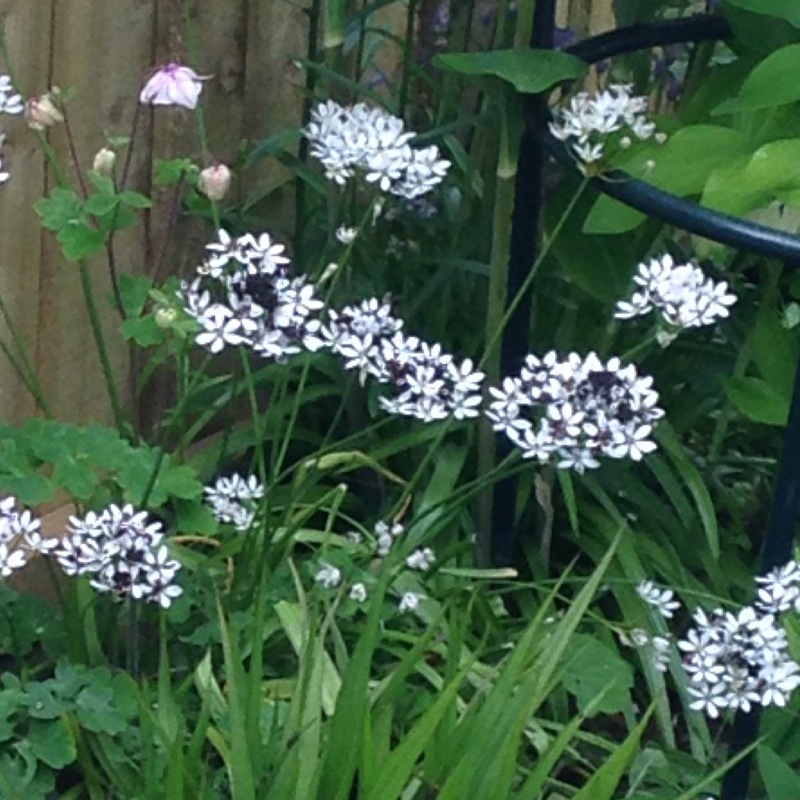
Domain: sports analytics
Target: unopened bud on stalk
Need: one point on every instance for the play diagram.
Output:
(104, 160)
(625, 142)
(214, 182)
(42, 112)
(165, 316)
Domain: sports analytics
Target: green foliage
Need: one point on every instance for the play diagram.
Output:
(83, 227)
(42, 457)
(41, 723)
(528, 70)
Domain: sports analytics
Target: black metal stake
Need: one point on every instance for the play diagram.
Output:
(523, 251)
(778, 547)
(675, 211)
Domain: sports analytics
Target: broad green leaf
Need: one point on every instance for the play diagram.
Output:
(782, 9)
(592, 667)
(685, 161)
(527, 70)
(775, 352)
(746, 184)
(291, 619)
(52, 743)
(757, 400)
(772, 83)
(609, 216)
(780, 780)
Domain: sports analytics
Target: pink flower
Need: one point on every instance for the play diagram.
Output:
(172, 85)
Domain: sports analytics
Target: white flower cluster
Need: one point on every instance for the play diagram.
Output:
(429, 384)
(682, 293)
(10, 103)
(234, 500)
(734, 660)
(244, 296)
(122, 552)
(589, 122)
(20, 537)
(576, 409)
(370, 141)
(422, 559)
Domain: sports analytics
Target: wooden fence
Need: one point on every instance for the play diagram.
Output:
(103, 49)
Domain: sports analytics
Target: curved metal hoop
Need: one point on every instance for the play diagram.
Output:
(648, 199)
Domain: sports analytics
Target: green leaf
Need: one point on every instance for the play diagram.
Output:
(593, 668)
(603, 784)
(97, 709)
(135, 200)
(51, 742)
(103, 183)
(782, 9)
(143, 330)
(31, 490)
(746, 184)
(609, 216)
(772, 83)
(685, 161)
(168, 173)
(135, 292)
(527, 70)
(192, 517)
(42, 703)
(79, 241)
(757, 400)
(780, 780)
(62, 207)
(77, 477)
(99, 204)
(775, 352)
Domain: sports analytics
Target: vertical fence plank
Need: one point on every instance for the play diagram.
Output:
(27, 31)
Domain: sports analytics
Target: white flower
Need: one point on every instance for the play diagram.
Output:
(10, 102)
(346, 235)
(572, 410)
(661, 599)
(11, 560)
(122, 552)
(358, 592)
(682, 293)
(410, 602)
(422, 559)
(328, 576)
(372, 142)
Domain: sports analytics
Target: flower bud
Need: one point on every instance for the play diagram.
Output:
(103, 163)
(42, 113)
(165, 316)
(214, 182)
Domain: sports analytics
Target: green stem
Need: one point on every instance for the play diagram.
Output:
(544, 252)
(97, 334)
(408, 57)
(25, 371)
(199, 113)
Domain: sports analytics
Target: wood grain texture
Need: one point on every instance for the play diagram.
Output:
(104, 51)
